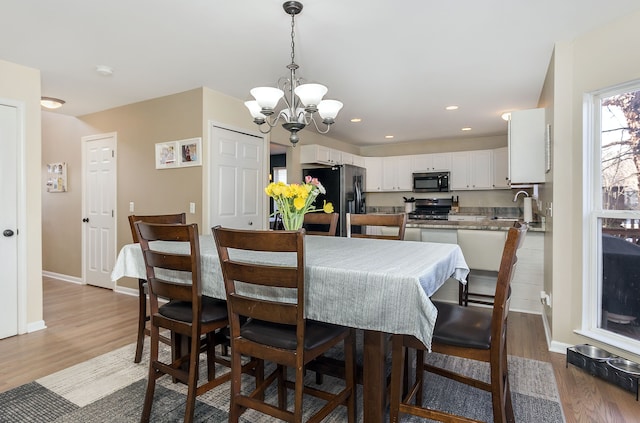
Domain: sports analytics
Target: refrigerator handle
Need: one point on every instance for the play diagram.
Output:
(358, 195)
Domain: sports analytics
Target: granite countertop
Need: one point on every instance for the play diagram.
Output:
(487, 225)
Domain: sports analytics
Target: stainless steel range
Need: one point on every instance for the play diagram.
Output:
(431, 209)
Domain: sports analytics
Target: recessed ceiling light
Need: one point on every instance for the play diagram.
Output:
(356, 120)
(388, 136)
(451, 108)
(466, 128)
(104, 70)
(51, 102)
(506, 116)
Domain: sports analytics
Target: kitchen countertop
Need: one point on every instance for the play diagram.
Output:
(487, 225)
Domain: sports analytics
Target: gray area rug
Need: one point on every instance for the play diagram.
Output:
(111, 388)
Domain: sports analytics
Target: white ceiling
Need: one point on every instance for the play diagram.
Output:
(394, 63)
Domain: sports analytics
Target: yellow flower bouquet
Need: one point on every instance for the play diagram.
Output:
(295, 200)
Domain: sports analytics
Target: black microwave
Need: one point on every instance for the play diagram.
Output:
(431, 182)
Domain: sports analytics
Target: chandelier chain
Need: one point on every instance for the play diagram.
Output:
(293, 44)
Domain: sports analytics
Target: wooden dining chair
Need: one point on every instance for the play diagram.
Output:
(275, 329)
(468, 332)
(321, 223)
(143, 316)
(398, 221)
(188, 314)
(482, 251)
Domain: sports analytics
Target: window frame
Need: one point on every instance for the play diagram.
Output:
(593, 212)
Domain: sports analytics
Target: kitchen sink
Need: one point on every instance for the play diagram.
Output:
(505, 219)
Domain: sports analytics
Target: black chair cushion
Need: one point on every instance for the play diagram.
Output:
(462, 326)
(212, 310)
(284, 336)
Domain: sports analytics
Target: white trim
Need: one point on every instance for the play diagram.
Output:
(126, 290)
(64, 278)
(559, 347)
(36, 326)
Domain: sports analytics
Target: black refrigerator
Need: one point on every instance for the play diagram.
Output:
(345, 189)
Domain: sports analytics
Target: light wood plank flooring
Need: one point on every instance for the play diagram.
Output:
(84, 322)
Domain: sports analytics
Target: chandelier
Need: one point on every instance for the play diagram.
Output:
(302, 100)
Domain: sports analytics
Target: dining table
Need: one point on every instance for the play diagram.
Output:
(382, 287)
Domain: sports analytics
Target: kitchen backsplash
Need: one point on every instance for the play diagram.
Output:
(477, 211)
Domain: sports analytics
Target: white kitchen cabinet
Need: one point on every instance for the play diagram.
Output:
(396, 173)
(471, 170)
(431, 162)
(359, 161)
(346, 158)
(335, 156)
(373, 181)
(314, 153)
(526, 137)
(501, 168)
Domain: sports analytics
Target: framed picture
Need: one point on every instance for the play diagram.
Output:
(57, 177)
(167, 155)
(190, 152)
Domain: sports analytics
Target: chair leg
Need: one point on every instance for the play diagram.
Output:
(194, 355)
(282, 386)
(142, 320)
(397, 366)
(419, 376)
(463, 294)
(236, 378)
(153, 375)
(350, 375)
(299, 391)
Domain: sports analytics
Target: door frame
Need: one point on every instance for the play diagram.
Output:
(84, 141)
(21, 212)
(207, 168)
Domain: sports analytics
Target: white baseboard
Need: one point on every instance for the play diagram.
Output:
(126, 290)
(61, 277)
(36, 326)
(553, 346)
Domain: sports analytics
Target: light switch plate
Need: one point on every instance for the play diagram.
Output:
(192, 208)
(131, 207)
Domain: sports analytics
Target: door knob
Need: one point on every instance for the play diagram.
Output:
(250, 223)
(85, 220)
(7, 232)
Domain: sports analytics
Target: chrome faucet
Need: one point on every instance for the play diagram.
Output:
(526, 194)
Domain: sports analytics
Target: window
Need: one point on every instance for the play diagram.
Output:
(612, 230)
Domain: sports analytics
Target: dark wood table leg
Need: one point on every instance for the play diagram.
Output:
(374, 376)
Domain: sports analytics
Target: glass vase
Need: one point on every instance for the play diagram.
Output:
(293, 222)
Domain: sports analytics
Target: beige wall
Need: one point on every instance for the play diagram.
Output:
(599, 59)
(436, 146)
(22, 84)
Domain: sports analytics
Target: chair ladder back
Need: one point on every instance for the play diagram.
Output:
(158, 218)
(189, 261)
(283, 278)
(515, 239)
(390, 220)
(328, 221)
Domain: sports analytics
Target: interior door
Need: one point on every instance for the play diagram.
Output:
(99, 198)
(9, 221)
(237, 179)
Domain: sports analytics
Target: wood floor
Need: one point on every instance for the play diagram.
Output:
(84, 322)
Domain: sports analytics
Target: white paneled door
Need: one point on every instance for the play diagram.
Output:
(8, 221)
(237, 181)
(99, 197)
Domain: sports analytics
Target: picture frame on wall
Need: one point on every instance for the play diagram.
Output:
(57, 177)
(190, 152)
(167, 155)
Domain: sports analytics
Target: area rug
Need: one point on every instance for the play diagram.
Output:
(111, 388)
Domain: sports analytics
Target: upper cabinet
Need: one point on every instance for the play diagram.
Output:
(431, 162)
(373, 180)
(314, 153)
(501, 168)
(471, 170)
(527, 146)
(396, 173)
